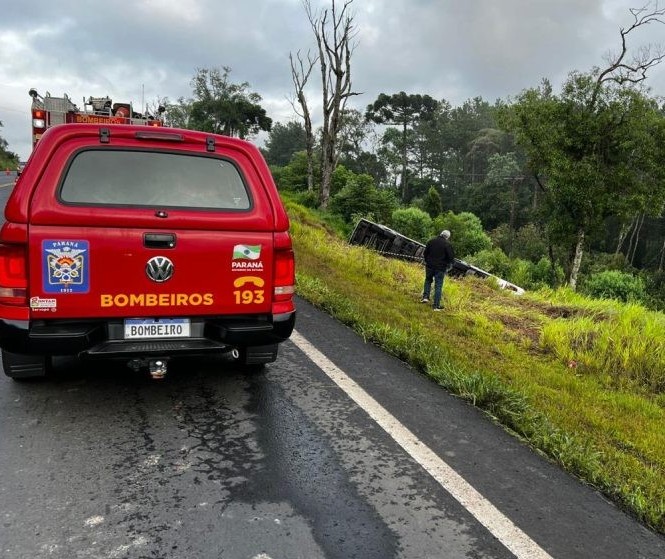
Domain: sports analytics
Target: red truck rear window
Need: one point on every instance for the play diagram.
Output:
(146, 178)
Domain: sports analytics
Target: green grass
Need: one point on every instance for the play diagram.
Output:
(625, 348)
(581, 380)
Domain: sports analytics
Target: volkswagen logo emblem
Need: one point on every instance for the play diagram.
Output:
(159, 269)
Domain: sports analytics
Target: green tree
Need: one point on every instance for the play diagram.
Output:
(294, 175)
(432, 148)
(283, 141)
(432, 202)
(354, 133)
(488, 143)
(451, 148)
(501, 196)
(494, 261)
(596, 149)
(222, 107)
(176, 113)
(390, 155)
(467, 234)
(472, 141)
(527, 242)
(404, 111)
(467, 120)
(367, 163)
(360, 197)
(8, 160)
(413, 223)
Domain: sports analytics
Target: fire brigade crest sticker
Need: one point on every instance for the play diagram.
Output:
(65, 266)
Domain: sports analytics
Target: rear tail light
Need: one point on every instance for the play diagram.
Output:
(284, 274)
(13, 275)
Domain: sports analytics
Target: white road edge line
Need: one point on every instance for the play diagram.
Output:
(521, 545)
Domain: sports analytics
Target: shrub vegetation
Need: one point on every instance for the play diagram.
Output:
(613, 284)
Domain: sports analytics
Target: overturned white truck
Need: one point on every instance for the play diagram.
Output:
(388, 242)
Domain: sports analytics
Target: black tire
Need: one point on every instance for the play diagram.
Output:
(19, 366)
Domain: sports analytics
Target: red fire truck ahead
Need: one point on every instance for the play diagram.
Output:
(48, 111)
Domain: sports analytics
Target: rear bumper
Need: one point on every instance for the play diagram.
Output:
(105, 338)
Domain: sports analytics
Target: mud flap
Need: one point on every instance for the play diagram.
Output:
(258, 355)
(21, 366)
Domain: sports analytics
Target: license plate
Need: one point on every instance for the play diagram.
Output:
(150, 328)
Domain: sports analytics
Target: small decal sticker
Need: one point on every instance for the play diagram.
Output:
(65, 266)
(246, 252)
(247, 295)
(252, 280)
(39, 304)
(246, 258)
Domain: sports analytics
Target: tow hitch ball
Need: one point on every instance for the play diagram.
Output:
(156, 367)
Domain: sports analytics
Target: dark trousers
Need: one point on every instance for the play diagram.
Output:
(431, 274)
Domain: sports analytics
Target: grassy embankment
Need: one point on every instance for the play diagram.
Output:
(583, 381)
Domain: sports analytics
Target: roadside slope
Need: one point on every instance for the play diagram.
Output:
(488, 347)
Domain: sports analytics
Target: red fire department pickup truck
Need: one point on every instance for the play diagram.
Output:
(142, 243)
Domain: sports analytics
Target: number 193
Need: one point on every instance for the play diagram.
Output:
(248, 297)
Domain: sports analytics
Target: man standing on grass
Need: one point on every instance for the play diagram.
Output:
(439, 257)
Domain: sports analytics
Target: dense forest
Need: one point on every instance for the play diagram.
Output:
(467, 169)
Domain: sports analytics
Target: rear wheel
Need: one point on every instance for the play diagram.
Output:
(20, 366)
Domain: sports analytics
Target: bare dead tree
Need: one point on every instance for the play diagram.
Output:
(334, 32)
(622, 70)
(300, 72)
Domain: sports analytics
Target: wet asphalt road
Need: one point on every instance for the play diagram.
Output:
(99, 462)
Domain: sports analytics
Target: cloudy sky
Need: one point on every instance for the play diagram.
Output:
(134, 50)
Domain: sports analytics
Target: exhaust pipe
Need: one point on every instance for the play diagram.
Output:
(235, 353)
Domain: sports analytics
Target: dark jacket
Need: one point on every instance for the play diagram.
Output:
(439, 254)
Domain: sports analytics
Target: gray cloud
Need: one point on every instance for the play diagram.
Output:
(452, 49)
